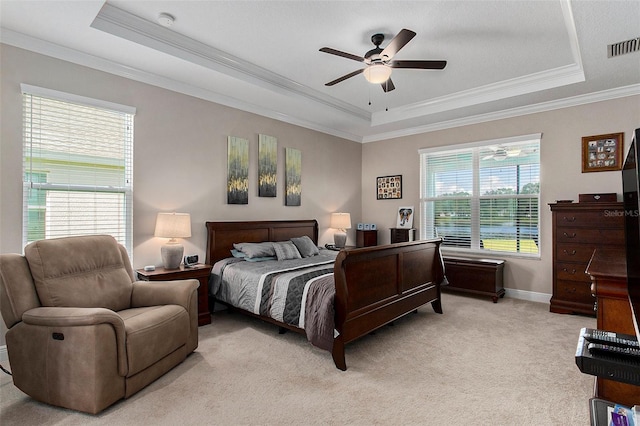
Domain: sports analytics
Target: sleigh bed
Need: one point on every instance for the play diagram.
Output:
(362, 289)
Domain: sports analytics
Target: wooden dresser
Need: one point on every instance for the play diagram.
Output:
(578, 229)
(608, 272)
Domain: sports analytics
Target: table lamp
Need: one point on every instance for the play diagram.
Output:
(172, 225)
(341, 222)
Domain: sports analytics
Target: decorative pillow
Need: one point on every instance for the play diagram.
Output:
(286, 250)
(252, 250)
(305, 246)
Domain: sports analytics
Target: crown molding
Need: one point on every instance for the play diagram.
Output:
(505, 89)
(47, 48)
(120, 23)
(548, 79)
(605, 95)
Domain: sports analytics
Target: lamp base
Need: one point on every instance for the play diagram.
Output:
(340, 239)
(171, 255)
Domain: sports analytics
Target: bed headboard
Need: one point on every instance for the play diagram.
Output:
(222, 235)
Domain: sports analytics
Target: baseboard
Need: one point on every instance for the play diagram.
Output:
(531, 296)
(4, 356)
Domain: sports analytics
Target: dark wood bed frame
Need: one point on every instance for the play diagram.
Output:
(374, 285)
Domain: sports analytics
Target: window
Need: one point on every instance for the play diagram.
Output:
(77, 161)
(483, 196)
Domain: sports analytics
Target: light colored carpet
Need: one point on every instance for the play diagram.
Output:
(480, 363)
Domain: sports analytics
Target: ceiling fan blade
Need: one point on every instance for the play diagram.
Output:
(344, 77)
(343, 54)
(388, 86)
(398, 42)
(424, 65)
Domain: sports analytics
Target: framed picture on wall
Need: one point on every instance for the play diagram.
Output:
(389, 187)
(404, 218)
(602, 153)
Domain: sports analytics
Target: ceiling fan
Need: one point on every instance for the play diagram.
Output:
(379, 61)
(501, 153)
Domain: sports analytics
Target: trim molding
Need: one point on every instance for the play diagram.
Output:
(53, 50)
(605, 95)
(266, 78)
(532, 83)
(120, 23)
(531, 296)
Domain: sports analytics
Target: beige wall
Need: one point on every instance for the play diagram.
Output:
(561, 170)
(180, 161)
(179, 157)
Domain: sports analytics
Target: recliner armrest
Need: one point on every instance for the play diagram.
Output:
(74, 317)
(180, 292)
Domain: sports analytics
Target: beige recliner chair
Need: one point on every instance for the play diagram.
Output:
(82, 332)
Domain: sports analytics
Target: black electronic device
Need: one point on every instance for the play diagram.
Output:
(630, 194)
(331, 247)
(608, 338)
(613, 350)
(190, 260)
(624, 369)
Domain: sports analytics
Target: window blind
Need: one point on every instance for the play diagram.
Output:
(78, 167)
(483, 196)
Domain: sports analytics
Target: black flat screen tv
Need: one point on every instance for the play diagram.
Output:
(630, 191)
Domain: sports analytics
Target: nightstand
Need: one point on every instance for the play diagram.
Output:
(199, 272)
(366, 238)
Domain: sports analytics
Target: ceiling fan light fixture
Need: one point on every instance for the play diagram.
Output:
(377, 73)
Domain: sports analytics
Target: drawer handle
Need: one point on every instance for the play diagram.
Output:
(569, 219)
(572, 272)
(572, 253)
(572, 235)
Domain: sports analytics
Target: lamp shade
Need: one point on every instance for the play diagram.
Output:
(377, 73)
(173, 225)
(341, 220)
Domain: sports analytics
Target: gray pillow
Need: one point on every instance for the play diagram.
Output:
(305, 246)
(286, 250)
(252, 250)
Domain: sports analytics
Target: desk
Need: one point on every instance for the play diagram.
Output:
(608, 271)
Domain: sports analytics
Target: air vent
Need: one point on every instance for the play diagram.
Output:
(624, 47)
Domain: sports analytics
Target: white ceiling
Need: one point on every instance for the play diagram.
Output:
(505, 58)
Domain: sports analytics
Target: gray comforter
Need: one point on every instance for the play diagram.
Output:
(298, 292)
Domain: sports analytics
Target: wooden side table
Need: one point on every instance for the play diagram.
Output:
(199, 272)
(366, 238)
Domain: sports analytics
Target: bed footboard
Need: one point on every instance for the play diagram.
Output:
(377, 285)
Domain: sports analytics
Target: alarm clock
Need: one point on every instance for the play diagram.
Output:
(190, 260)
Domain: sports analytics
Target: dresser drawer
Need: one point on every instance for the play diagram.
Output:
(566, 252)
(589, 235)
(575, 291)
(599, 218)
(572, 271)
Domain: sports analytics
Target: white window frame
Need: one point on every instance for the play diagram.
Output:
(475, 197)
(126, 189)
